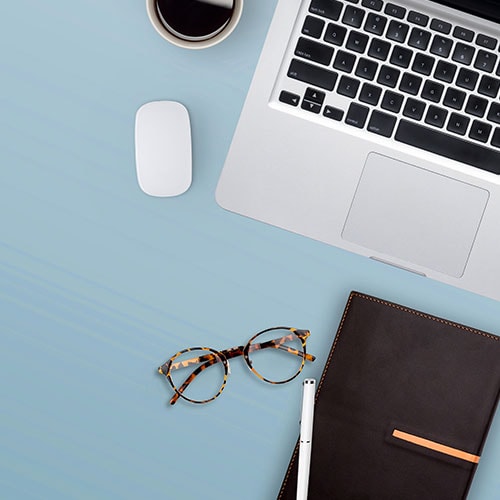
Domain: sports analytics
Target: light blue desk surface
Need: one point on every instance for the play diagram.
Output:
(99, 283)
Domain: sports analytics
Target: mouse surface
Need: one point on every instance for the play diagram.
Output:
(163, 148)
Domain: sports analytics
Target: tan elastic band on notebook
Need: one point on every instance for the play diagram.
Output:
(432, 445)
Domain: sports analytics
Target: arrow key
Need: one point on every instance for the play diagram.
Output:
(333, 113)
(313, 107)
(314, 95)
(289, 98)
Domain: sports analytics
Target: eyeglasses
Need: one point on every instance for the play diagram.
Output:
(276, 355)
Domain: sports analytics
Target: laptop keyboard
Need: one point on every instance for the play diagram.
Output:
(406, 76)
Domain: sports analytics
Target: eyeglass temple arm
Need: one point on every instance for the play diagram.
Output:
(211, 358)
(186, 382)
(277, 344)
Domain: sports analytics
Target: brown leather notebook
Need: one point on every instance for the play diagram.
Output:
(402, 408)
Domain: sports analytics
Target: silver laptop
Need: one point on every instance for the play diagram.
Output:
(374, 126)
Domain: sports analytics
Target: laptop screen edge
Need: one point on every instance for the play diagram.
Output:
(487, 9)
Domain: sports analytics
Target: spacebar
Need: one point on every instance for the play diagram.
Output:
(448, 146)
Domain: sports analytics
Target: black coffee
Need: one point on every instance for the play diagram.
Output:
(194, 19)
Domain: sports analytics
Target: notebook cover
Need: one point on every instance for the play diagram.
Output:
(402, 408)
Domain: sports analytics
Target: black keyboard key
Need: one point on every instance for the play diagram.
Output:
(344, 61)
(326, 8)
(401, 56)
(445, 71)
(495, 140)
(494, 112)
(441, 26)
(458, 124)
(313, 27)
(335, 34)
(314, 51)
(366, 68)
(395, 10)
(476, 106)
(419, 38)
(454, 98)
(289, 98)
(397, 31)
(375, 23)
(467, 79)
(372, 4)
(410, 83)
(370, 94)
(414, 109)
(381, 123)
(463, 53)
(498, 70)
(388, 76)
(314, 95)
(418, 18)
(379, 49)
(353, 16)
(356, 116)
(314, 75)
(313, 107)
(446, 145)
(348, 86)
(489, 86)
(357, 41)
(485, 61)
(333, 113)
(486, 41)
(463, 33)
(480, 131)
(436, 116)
(441, 46)
(423, 64)
(392, 101)
(432, 91)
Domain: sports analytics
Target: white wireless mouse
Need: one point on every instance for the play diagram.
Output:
(163, 148)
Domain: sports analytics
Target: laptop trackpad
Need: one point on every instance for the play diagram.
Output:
(415, 215)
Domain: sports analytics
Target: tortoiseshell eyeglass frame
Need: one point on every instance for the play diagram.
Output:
(212, 357)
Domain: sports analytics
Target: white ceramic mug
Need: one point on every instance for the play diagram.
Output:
(185, 42)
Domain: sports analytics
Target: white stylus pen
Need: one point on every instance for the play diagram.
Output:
(306, 432)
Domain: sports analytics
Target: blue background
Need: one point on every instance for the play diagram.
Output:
(99, 283)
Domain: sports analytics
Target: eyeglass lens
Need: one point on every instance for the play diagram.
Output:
(209, 370)
(279, 363)
(195, 20)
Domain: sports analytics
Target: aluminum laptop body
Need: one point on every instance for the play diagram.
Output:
(375, 127)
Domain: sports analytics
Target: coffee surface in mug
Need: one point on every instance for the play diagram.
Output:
(195, 19)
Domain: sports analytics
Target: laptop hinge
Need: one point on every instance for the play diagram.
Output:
(398, 266)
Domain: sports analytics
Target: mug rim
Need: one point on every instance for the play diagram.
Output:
(187, 44)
